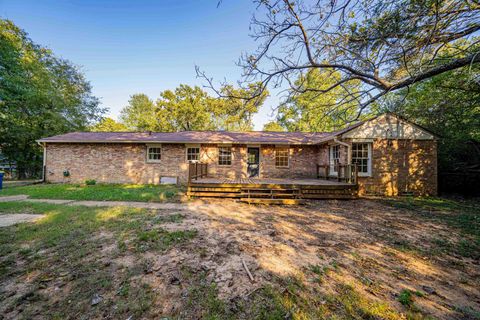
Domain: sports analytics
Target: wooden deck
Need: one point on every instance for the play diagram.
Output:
(270, 181)
(271, 190)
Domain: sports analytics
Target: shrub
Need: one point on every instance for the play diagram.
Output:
(90, 182)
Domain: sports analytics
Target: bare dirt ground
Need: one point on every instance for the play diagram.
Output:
(345, 259)
(378, 248)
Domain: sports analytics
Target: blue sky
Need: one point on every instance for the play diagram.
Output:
(127, 47)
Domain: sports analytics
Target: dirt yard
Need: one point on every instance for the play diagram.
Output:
(328, 259)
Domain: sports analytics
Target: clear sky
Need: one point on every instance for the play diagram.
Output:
(127, 47)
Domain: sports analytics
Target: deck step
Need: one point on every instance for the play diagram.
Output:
(271, 193)
(273, 201)
(214, 194)
(256, 194)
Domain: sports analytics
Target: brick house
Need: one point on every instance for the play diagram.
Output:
(387, 154)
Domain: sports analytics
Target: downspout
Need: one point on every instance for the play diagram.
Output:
(44, 159)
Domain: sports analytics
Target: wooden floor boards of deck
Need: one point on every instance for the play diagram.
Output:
(269, 181)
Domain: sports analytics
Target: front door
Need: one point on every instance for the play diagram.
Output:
(253, 162)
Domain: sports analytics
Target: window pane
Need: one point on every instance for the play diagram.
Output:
(281, 157)
(225, 156)
(360, 156)
(193, 154)
(154, 153)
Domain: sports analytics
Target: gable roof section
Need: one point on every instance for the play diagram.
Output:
(253, 137)
(387, 126)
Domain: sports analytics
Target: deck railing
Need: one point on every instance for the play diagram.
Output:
(197, 170)
(343, 173)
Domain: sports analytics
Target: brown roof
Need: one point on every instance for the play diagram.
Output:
(259, 137)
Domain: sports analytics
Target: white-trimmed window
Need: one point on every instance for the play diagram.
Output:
(361, 156)
(281, 157)
(334, 159)
(224, 156)
(193, 153)
(154, 153)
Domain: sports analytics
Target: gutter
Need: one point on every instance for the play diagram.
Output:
(181, 142)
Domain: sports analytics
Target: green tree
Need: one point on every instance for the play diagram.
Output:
(235, 114)
(448, 105)
(309, 108)
(191, 108)
(273, 126)
(108, 125)
(140, 114)
(185, 109)
(384, 45)
(40, 95)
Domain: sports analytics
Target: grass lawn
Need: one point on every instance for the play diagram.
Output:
(114, 192)
(76, 253)
(409, 258)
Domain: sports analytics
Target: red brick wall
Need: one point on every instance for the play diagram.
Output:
(402, 167)
(398, 166)
(126, 163)
(113, 163)
(303, 162)
(238, 168)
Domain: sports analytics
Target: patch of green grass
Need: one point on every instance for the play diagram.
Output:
(460, 214)
(66, 247)
(406, 298)
(354, 305)
(321, 271)
(112, 192)
(159, 239)
(345, 302)
(468, 312)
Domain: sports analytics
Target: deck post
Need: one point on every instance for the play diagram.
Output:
(356, 173)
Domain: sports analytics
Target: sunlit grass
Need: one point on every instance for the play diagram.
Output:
(112, 192)
(66, 246)
(462, 215)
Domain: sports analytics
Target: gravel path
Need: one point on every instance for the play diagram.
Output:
(11, 219)
(131, 204)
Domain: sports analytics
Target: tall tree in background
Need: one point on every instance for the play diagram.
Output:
(108, 125)
(140, 113)
(386, 45)
(40, 95)
(449, 105)
(190, 108)
(186, 108)
(234, 114)
(307, 110)
(273, 126)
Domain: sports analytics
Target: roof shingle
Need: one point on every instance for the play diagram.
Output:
(260, 137)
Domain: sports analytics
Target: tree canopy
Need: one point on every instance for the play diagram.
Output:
(190, 108)
(385, 45)
(449, 105)
(108, 125)
(40, 95)
(140, 113)
(273, 126)
(306, 110)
